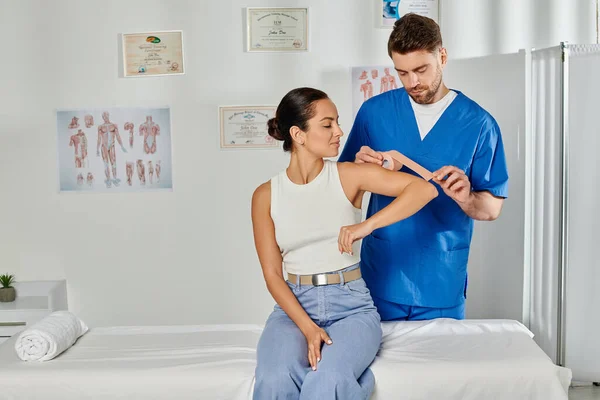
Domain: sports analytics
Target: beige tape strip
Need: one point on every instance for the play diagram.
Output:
(403, 160)
(390, 163)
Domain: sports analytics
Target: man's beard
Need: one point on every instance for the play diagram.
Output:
(427, 93)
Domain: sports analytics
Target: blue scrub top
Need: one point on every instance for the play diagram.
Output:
(422, 260)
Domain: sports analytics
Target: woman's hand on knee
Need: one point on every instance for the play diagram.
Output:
(314, 338)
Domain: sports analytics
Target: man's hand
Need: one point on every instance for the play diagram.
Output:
(454, 182)
(481, 206)
(368, 155)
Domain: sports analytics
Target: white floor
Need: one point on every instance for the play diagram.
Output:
(584, 393)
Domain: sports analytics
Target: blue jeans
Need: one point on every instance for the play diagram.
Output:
(347, 313)
(400, 312)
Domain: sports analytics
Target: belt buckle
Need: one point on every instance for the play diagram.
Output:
(319, 280)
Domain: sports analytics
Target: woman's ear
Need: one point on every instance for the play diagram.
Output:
(297, 135)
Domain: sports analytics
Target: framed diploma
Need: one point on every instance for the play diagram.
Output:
(245, 127)
(153, 53)
(276, 29)
(388, 11)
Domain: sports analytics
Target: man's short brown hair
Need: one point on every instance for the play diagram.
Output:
(414, 32)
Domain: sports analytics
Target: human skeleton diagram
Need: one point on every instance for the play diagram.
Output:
(141, 172)
(150, 130)
(388, 81)
(129, 127)
(107, 134)
(89, 121)
(79, 142)
(367, 89)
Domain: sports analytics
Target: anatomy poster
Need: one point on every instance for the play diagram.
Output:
(391, 10)
(114, 149)
(371, 81)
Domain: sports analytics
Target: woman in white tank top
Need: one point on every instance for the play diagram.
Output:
(324, 331)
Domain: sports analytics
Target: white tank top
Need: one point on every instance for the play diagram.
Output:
(308, 219)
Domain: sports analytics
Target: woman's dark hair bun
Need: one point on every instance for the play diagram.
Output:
(274, 131)
(295, 109)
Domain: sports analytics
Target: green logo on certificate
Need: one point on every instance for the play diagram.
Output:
(152, 39)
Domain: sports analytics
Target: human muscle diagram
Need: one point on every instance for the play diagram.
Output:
(129, 171)
(129, 127)
(109, 130)
(388, 81)
(79, 142)
(74, 123)
(149, 130)
(108, 133)
(90, 179)
(367, 89)
(141, 172)
(365, 85)
(158, 171)
(150, 171)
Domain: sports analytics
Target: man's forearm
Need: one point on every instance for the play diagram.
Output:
(482, 206)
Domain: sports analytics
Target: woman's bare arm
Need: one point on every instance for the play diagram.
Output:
(411, 194)
(270, 259)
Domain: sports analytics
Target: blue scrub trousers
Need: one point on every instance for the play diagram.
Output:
(399, 312)
(347, 313)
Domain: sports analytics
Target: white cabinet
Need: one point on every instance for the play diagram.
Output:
(35, 300)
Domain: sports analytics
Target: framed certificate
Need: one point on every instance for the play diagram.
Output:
(388, 11)
(153, 53)
(245, 127)
(276, 29)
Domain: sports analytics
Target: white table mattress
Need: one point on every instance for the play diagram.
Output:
(439, 359)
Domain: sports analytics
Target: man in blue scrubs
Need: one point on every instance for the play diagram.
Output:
(417, 268)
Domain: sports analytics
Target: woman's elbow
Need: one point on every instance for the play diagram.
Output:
(272, 279)
(430, 190)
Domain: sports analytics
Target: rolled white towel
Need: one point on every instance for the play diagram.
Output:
(49, 337)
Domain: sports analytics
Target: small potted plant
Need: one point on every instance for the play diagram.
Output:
(7, 292)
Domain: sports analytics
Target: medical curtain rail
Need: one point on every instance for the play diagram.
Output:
(563, 266)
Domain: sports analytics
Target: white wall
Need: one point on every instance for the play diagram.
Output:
(496, 260)
(583, 267)
(164, 258)
(474, 28)
(153, 258)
